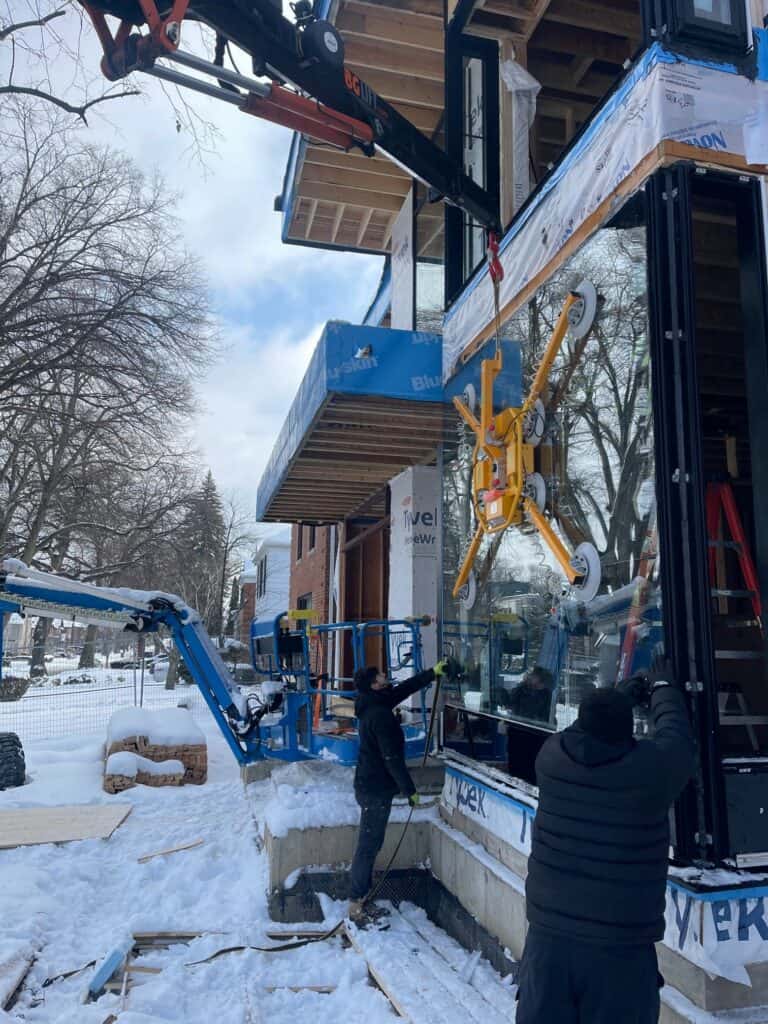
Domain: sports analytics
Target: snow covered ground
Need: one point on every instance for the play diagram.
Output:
(76, 901)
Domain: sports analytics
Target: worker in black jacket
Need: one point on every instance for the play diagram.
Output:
(381, 771)
(595, 891)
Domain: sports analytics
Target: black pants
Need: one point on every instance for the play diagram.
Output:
(374, 815)
(563, 981)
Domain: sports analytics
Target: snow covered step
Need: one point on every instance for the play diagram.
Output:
(475, 971)
(676, 1009)
(16, 956)
(420, 982)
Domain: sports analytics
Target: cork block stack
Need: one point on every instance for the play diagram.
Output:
(154, 748)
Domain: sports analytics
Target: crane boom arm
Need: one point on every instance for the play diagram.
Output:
(311, 90)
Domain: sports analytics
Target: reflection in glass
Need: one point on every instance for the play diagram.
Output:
(714, 10)
(531, 646)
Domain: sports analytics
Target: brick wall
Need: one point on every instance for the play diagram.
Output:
(247, 610)
(309, 574)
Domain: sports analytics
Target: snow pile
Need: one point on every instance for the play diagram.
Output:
(317, 794)
(169, 727)
(126, 763)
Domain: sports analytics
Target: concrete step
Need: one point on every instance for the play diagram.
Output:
(427, 778)
(676, 1009)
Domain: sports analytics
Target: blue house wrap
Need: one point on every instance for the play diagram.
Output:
(353, 360)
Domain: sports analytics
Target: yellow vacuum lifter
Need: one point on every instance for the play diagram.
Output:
(505, 486)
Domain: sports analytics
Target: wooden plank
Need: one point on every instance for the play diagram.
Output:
(483, 978)
(365, 220)
(323, 989)
(15, 963)
(404, 88)
(357, 163)
(375, 55)
(400, 8)
(577, 42)
(418, 982)
(602, 17)
(30, 826)
(171, 849)
(383, 184)
(402, 28)
(344, 195)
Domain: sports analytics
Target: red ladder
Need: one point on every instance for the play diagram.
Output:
(719, 500)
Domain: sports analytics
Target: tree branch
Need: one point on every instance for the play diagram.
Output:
(40, 94)
(36, 23)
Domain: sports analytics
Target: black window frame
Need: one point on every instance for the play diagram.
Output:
(299, 541)
(457, 47)
(677, 24)
(312, 539)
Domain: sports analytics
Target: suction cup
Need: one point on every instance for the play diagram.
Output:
(468, 593)
(586, 561)
(536, 488)
(582, 313)
(469, 397)
(533, 424)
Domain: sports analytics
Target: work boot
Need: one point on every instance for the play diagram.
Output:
(366, 915)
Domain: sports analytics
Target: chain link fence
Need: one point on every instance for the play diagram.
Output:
(46, 694)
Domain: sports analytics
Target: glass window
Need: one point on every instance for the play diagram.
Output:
(474, 146)
(299, 540)
(533, 643)
(312, 530)
(714, 10)
(304, 603)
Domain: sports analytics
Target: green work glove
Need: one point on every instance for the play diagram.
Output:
(414, 800)
(447, 667)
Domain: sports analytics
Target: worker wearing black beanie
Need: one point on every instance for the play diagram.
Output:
(596, 885)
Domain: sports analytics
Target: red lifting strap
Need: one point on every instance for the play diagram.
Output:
(495, 268)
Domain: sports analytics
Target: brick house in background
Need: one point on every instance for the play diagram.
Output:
(310, 569)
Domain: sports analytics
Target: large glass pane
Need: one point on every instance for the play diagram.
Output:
(532, 643)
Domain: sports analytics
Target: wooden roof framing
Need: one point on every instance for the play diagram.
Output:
(350, 200)
(576, 49)
(355, 445)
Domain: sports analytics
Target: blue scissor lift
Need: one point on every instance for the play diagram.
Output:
(306, 713)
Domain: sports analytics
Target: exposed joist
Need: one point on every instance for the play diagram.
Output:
(365, 220)
(558, 78)
(349, 196)
(599, 17)
(313, 204)
(397, 29)
(375, 55)
(337, 221)
(559, 38)
(579, 69)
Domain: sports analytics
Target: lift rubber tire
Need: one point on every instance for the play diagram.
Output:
(12, 764)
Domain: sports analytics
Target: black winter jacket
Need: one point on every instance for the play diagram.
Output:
(598, 863)
(381, 769)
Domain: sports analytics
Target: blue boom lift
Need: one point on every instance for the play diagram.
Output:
(290, 717)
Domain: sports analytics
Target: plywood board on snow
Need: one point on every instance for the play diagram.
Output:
(15, 962)
(30, 826)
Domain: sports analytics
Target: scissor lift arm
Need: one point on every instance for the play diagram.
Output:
(312, 90)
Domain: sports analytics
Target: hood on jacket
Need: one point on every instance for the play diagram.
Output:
(365, 701)
(587, 750)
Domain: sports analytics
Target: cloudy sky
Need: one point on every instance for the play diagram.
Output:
(270, 299)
